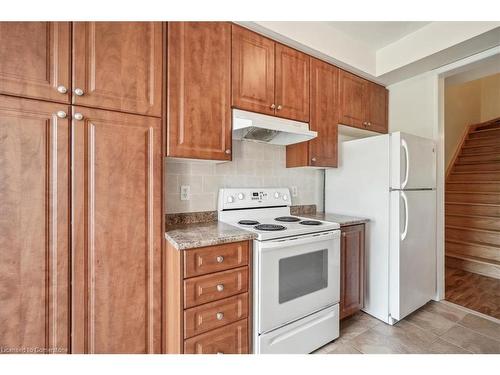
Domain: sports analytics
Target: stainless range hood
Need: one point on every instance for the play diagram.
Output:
(257, 127)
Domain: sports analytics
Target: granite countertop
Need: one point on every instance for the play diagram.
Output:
(343, 220)
(188, 236)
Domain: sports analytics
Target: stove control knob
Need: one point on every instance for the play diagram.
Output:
(277, 195)
(230, 199)
(241, 196)
(285, 197)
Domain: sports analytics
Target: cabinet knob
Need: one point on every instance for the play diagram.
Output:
(220, 352)
(220, 259)
(62, 89)
(364, 123)
(78, 92)
(273, 106)
(228, 151)
(313, 159)
(220, 287)
(61, 114)
(219, 316)
(343, 234)
(78, 116)
(369, 124)
(279, 107)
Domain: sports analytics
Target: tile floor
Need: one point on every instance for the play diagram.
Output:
(436, 328)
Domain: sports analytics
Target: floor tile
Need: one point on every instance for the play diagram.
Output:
(481, 325)
(471, 340)
(343, 348)
(441, 346)
(372, 342)
(355, 325)
(435, 323)
(446, 311)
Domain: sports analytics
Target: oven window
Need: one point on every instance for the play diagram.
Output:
(302, 274)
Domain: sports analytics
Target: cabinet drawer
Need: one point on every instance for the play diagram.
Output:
(212, 287)
(231, 339)
(215, 258)
(215, 314)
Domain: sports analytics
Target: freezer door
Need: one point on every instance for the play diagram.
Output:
(412, 253)
(413, 162)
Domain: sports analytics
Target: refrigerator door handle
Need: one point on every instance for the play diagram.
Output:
(407, 159)
(405, 231)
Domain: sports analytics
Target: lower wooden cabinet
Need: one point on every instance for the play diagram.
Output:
(208, 313)
(352, 269)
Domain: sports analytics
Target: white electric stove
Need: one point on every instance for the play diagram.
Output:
(296, 270)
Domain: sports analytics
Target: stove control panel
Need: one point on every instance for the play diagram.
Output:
(232, 198)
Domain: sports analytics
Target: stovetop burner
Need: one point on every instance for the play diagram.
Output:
(270, 227)
(310, 222)
(248, 222)
(287, 219)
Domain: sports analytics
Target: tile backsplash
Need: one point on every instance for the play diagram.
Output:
(254, 165)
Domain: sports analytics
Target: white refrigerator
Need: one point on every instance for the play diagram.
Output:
(391, 180)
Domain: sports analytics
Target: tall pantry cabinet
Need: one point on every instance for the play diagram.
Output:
(80, 186)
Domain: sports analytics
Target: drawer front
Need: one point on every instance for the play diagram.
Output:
(215, 286)
(215, 258)
(231, 339)
(215, 314)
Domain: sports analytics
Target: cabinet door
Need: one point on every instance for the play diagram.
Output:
(35, 60)
(253, 71)
(34, 226)
(292, 84)
(118, 66)
(378, 106)
(352, 254)
(199, 90)
(117, 233)
(353, 95)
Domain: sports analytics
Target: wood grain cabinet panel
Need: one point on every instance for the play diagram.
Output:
(252, 71)
(35, 60)
(116, 244)
(199, 90)
(118, 66)
(352, 260)
(34, 226)
(321, 151)
(378, 108)
(231, 339)
(353, 96)
(292, 84)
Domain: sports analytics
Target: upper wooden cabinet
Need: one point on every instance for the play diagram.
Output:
(321, 151)
(117, 234)
(363, 104)
(118, 66)
(35, 60)
(268, 77)
(199, 90)
(34, 226)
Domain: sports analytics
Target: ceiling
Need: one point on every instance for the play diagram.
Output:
(377, 34)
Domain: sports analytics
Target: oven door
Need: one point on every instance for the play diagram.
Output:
(297, 276)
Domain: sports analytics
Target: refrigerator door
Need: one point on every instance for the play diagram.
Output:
(413, 162)
(412, 253)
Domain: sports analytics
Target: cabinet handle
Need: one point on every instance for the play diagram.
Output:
(61, 114)
(219, 316)
(364, 123)
(369, 124)
(62, 89)
(228, 151)
(220, 352)
(343, 234)
(220, 287)
(279, 107)
(313, 159)
(78, 116)
(273, 106)
(220, 259)
(78, 92)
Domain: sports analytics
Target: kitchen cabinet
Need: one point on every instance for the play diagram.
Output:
(118, 66)
(269, 77)
(363, 104)
(35, 60)
(321, 151)
(117, 232)
(34, 226)
(352, 268)
(199, 90)
(208, 299)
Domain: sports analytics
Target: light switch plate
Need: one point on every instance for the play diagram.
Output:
(185, 192)
(294, 191)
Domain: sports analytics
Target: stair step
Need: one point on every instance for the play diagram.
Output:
(481, 209)
(485, 167)
(495, 124)
(486, 237)
(486, 141)
(473, 221)
(473, 264)
(479, 158)
(480, 150)
(484, 133)
(474, 176)
(473, 249)
(477, 186)
(472, 197)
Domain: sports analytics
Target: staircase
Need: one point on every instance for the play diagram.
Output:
(472, 235)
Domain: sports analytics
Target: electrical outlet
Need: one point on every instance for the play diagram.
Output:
(185, 192)
(294, 191)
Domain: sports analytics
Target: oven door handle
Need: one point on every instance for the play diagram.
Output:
(302, 240)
